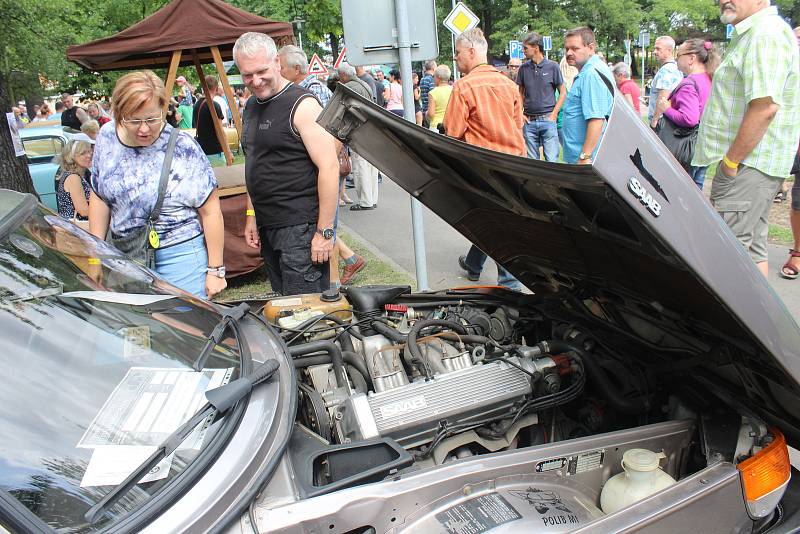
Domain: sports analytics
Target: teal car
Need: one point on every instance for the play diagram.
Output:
(43, 142)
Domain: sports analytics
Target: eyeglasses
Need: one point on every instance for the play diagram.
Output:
(151, 123)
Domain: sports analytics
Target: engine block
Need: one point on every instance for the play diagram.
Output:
(411, 414)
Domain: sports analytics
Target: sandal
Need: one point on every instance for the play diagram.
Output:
(780, 197)
(788, 270)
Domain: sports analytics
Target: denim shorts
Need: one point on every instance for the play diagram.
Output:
(184, 265)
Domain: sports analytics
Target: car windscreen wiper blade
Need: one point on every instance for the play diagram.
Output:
(219, 399)
(230, 316)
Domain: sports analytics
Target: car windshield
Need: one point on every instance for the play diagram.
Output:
(96, 357)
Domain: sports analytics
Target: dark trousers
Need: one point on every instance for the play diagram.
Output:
(287, 257)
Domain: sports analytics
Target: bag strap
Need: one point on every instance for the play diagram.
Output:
(609, 86)
(696, 88)
(165, 169)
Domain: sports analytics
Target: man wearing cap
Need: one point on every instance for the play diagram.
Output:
(185, 90)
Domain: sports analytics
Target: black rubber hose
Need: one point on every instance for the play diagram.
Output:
(324, 346)
(595, 373)
(412, 347)
(469, 338)
(350, 358)
(354, 359)
(349, 329)
(346, 342)
(386, 330)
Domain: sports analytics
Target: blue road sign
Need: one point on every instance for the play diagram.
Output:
(547, 42)
(515, 50)
(729, 31)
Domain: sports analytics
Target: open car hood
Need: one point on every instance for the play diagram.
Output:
(631, 230)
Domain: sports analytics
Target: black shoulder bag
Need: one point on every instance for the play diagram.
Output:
(680, 141)
(140, 244)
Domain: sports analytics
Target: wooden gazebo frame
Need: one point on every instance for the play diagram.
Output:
(165, 40)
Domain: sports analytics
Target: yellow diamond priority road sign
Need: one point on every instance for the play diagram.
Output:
(461, 19)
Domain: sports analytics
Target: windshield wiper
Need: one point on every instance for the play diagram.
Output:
(231, 316)
(219, 399)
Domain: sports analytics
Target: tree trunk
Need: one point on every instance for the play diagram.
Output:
(14, 173)
(334, 45)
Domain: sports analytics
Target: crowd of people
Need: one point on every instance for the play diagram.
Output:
(135, 177)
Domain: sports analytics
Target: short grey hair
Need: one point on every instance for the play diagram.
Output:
(294, 57)
(667, 40)
(430, 65)
(623, 69)
(345, 69)
(251, 43)
(473, 38)
(442, 72)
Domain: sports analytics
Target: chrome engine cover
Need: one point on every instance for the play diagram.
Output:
(411, 414)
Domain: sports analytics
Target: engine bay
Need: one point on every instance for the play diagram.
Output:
(392, 382)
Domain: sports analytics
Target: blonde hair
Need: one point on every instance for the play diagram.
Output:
(66, 160)
(134, 90)
(90, 128)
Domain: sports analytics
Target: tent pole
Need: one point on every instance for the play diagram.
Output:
(223, 141)
(223, 77)
(173, 70)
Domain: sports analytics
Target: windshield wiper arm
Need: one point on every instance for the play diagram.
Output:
(220, 399)
(232, 315)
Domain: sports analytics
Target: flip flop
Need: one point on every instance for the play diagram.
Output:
(789, 271)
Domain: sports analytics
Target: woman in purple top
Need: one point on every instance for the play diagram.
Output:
(697, 59)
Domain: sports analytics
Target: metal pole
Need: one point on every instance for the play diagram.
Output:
(404, 49)
(456, 73)
(643, 54)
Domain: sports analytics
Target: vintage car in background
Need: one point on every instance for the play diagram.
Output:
(43, 141)
(130, 406)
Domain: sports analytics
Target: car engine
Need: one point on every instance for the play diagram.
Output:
(444, 379)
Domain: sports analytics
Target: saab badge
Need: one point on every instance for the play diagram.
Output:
(644, 196)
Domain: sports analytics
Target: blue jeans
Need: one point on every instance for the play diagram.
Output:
(475, 260)
(541, 134)
(184, 265)
(698, 174)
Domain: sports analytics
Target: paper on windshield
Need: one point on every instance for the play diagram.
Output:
(144, 409)
(132, 299)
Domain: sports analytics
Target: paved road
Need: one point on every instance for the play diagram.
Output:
(387, 230)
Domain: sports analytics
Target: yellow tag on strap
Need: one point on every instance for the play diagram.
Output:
(155, 242)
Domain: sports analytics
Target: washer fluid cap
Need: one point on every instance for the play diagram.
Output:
(642, 459)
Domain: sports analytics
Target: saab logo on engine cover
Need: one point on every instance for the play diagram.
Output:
(644, 196)
(403, 406)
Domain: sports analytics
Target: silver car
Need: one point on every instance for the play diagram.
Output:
(131, 406)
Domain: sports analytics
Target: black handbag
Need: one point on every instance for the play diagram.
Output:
(140, 244)
(680, 141)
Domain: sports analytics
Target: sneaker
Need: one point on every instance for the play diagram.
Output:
(462, 262)
(350, 271)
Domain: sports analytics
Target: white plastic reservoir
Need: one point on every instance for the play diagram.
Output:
(641, 477)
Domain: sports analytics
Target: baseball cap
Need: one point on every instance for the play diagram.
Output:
(180, 79)
(83, 137)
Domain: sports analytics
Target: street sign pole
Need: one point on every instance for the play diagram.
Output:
(456, 73)
(404, 50)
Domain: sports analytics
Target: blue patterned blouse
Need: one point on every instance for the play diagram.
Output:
(126, 179)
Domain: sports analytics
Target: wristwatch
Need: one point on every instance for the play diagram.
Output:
(219, 272)
(327, 233)
(584, 156)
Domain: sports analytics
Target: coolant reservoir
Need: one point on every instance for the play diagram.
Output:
(641, 477)
(311, 304)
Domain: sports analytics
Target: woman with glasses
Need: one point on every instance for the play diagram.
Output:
(126, 173)
(72, 187)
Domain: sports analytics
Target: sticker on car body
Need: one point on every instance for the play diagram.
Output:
(478, 515)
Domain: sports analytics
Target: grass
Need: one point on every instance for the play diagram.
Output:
(255, 285)
(780, 234)
(236, 161)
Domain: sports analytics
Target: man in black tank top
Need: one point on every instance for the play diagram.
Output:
(291, 171)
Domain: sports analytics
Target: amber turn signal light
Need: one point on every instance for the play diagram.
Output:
(767, 470)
